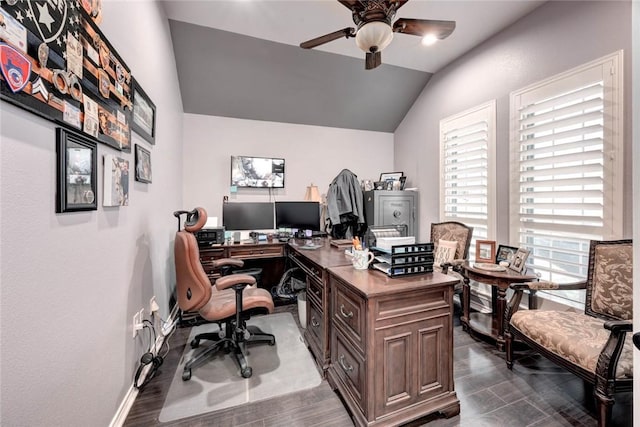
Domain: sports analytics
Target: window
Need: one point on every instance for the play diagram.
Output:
(467, 164)
(566, 168)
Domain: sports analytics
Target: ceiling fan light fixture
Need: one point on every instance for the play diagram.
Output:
(374, 36)
(429, 39)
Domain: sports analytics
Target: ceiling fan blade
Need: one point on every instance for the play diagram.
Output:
(372, 60)
(422, 27)
(346, 32)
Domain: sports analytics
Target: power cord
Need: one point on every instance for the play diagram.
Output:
(148, 358)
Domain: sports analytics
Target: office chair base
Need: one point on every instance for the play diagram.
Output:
(255, 335)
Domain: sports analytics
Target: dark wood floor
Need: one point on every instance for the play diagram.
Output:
(536, 393)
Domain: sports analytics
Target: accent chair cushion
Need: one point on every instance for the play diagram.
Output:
(576, 337)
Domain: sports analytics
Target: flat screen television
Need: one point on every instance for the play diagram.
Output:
(298, 215)
(247, 216)
(257, 172)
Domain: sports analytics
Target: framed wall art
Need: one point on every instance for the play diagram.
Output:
(56, 63)
(144, 114)
(485, 250)
(115, 191)
(143, 164)
(519, 260)
(76, 188)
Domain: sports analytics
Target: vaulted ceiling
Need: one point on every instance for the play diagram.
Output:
(241, 58)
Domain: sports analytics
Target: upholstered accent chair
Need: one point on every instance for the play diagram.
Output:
(452, 231)
(595, 345)
(229, 302)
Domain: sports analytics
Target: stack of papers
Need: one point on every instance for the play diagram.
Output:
(386, 243)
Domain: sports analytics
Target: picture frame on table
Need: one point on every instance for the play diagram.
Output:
(519, 260)
(143, 164)
(391, 176)
(505, 253)
(76, 175)
(485, 251)
(143, 120)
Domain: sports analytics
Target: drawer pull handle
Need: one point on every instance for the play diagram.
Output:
(347, 315)
(347, 368)
(314, 322)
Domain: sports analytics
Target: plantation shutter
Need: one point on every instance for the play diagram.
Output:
(566, 168)
(467, 162)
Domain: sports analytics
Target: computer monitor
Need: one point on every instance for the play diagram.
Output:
(247, 216)
(299, 215)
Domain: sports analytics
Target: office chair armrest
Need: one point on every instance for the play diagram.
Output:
(235, 281)
(224, 262)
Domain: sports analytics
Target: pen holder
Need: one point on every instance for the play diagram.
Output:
(362, 259)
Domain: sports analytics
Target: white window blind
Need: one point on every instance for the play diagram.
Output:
(467, 164)
(566, 168)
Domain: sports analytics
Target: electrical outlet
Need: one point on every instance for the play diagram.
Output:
(136, 322)
(153, 305)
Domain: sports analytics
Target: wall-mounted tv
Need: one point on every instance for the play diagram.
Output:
(257, 172)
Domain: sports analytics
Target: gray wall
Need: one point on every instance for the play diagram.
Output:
(71, 282)
(636, 200)
(553, 38)
(313, 154)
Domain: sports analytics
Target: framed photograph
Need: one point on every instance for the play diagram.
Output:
(506, 253)
(143, 164)
(77, 157)
(485, 250)
(519, 260)
(115, 191)
(143, 121)
(391, 176)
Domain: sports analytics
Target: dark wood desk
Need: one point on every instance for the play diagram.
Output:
(315, 264)
(266, 255)
(489, 325)
(392, 345)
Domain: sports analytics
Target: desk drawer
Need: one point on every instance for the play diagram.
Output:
(310, 268)
(256, 252)
(315, 290)
(349, 314)
(349, 366)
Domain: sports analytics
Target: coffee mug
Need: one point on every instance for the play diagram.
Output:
(362, 259)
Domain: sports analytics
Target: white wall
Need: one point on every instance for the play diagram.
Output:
(553, 38)
(71, 282)
(312, 154)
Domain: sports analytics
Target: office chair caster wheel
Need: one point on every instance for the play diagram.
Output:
(186, 375)
(246, 372)
(195, 343)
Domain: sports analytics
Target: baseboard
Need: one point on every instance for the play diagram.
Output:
(131, 395)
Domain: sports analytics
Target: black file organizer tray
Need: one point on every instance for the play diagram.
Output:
(410, 259)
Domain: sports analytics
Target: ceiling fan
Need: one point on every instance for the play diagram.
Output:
(375, 28)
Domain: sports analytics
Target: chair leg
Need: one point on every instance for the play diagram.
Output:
(509, 349)
(604, 405)
(258, 335)
(203, 356)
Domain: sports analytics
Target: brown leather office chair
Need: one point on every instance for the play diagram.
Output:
(229, 301)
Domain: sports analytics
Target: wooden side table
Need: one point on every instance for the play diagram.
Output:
(490, 325)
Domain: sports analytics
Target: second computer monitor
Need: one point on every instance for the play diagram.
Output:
(298, 215)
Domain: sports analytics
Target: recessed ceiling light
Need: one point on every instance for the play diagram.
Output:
(429, 39)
